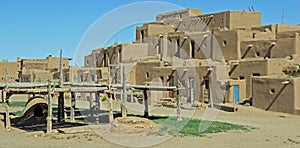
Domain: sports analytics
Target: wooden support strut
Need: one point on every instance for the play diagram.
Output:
(97, 107)
(146, 111)
(124, 93)
(7, 119)
(61, 115)
(91, 105)
(49, 117)
(178, 101)
(73, 105)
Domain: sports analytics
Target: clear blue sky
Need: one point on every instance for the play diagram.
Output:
(36, 28)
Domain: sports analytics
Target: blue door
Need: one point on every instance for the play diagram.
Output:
(236, 94)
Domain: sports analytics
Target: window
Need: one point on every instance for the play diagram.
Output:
(192, 54)
(272, 91)
(242, 77)
(257, 54)
(147, 74)
(162, 79)
(224, 43)
(253, 35)
(256, 74)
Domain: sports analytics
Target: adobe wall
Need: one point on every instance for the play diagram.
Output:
(185, 74)
(297, 96)
(89, 59)
(33, 75)
(54, 62)
(144, 67)
(270, 93)
(229, 97)
(284, 47)
(275, 66)
(178, 14)
(244, 19)
(151, 30)
(223, 20)
(134, 52)
(246, 69)
(33, 64)
(286, 28)
(229, 43)
(12, 67)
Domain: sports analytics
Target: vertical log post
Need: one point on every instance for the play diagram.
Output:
(61, 106)
(49, 117)
(73, 105)
(97, 99)
(7, 119)
(124, 94)
(110, 109)
(91, 105)
(178, 90)
(146, 111)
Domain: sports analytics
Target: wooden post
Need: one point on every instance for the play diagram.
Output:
(7, 119)
(3, 100)
(97, 107)
(209, 93)
(73, 105)
(124, 94)
(131, 96)
(178, 101)
(49, 117)
(61, 106)
(146, 111)
(60, 69)
(111, 114)
(91, 105)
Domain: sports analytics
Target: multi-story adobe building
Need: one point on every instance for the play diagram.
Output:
(231, 46)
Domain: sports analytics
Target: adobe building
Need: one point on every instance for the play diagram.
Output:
(41, 70)
(233, 42)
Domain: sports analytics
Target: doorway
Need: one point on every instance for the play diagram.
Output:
(235, 94)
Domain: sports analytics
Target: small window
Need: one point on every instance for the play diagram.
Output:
(272, 91)
(257, 54)
(242, 77)
(256, 74)
(162, 79)
(224, 43)
(147, 74)
(253, 35)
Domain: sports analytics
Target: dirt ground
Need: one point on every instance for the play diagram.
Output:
(272, 130)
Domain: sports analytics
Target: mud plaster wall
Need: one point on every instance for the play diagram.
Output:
(283, 48)
(297, 96)
(178, 14)
(230, 92)
(228, 42)
(268, 90)
(246, 69)
(243, 19)
(12, 67)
